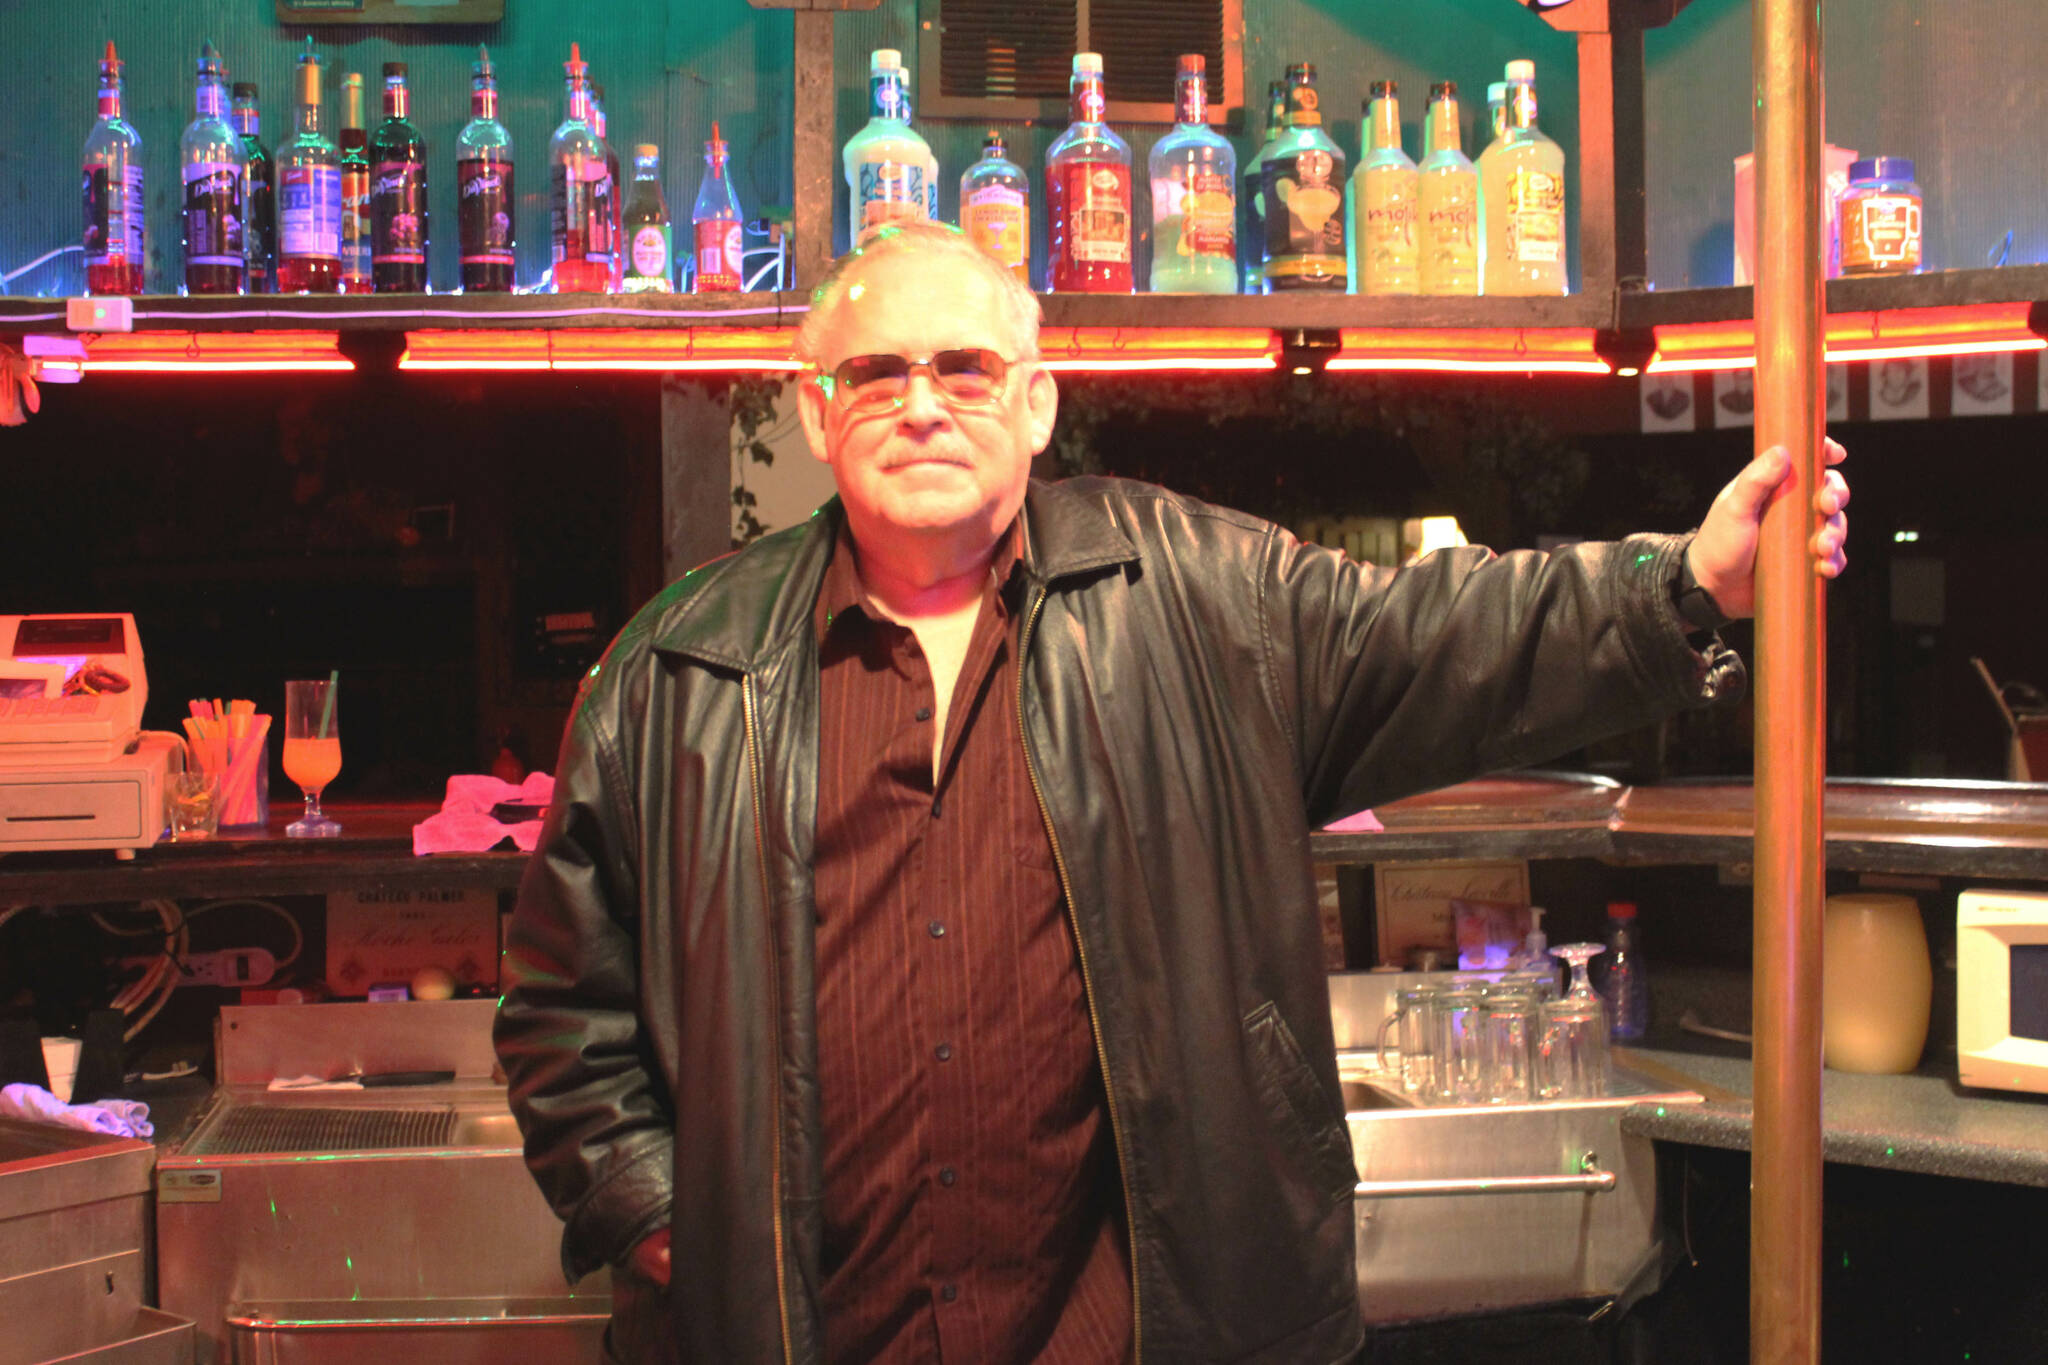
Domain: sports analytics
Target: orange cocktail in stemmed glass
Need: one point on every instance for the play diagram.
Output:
(312, 751)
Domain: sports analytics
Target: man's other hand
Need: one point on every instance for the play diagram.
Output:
(1723, 554)
(650, 1257)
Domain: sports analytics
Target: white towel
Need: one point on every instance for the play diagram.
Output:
(121, 1118)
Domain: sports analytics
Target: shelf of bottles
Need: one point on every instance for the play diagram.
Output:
(1443, 263)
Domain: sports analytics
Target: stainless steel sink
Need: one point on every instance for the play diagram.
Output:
(1362, 1095)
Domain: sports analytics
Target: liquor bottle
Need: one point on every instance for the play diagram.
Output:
(1304, 196)
(259, 192)
(1088, 194)
(398, 194)
(484, 200)
(216, 171)
(1449, 204)
(649, 237)
(355, 188)
(715, 224)
(114, 245)
(1251, 199)
(608, 191)
(1521, 200)
(995, 207)
(886, 162)
(1194, 195)
(1384, 189)
(579, 218)
(308, 195)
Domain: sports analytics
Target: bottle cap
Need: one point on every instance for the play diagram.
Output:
(576, 66)
(885, 59)
(245, 90)
(1441, 90)
(110, 65)
(992, 143)
(482, 65)
(1881, 168)
(1382, 90)
(1193, 64)
(1621, 910)
(1521, 70)
(394, 70)
(646, 149)
(1497, 92)
(1301, 71)
(1087, 63)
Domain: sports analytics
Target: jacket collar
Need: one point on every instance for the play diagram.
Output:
(740, 610)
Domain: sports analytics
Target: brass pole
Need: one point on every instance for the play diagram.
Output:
(1785, 1185)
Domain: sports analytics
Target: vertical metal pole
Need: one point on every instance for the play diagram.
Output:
(812, 169)
(1785, 1190)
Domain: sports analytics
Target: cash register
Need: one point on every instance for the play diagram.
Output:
(76, 769)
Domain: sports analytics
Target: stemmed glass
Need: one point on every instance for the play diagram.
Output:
(312, 751)
(1575, 1032)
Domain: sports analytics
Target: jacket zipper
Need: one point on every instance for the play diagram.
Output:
(774, 1012)
(1116, 1127)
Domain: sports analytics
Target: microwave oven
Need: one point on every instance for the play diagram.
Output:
(2002, 989)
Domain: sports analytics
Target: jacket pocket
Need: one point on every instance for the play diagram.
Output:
(1297, 1106)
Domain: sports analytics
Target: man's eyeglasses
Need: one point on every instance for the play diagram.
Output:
(970, 376)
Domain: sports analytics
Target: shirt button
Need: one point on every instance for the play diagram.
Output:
(949, 1292)
(947, 1175)
(936, 929)
(944, 1051)
(924, 713)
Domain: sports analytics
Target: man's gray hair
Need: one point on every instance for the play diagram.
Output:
(1016, 305)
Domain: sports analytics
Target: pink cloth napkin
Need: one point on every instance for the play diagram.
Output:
(1365, 822)
(464, 823)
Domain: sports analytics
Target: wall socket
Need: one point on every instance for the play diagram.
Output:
(231, 967)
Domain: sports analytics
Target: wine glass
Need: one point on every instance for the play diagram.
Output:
(1575, 1032)
(312, 751)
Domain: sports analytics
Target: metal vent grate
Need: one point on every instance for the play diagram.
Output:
(1010, 59)
(282, 1128)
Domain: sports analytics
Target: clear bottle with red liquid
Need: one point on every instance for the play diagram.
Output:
(1088, 194)
(308, 195)
(115, 249)
(715, 225)
(215, 168)
(484, 198)
(579, 196)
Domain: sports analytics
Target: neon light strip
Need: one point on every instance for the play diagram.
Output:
(212, 366)
(1161, 364)
(1450, 366)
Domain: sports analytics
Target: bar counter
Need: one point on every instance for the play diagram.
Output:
(1985, 830)
(373, 852)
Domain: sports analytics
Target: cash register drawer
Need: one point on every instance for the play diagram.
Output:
(54, 812)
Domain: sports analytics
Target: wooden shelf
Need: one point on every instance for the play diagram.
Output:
(1279, 312)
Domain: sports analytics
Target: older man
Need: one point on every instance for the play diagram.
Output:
(920, 962)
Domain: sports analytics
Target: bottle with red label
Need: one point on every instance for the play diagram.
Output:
(648, 238)
(355, 188)
(579, 193)
(484, 200)
(308, 195)
(114, 250)
(216, 170)
(1194, 195)
(715, 224)
(1088, 194)
(995, 208)
(398, 194)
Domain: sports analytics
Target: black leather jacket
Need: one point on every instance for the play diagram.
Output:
(1197, 690)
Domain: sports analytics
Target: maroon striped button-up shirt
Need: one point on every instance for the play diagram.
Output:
(972, 1208)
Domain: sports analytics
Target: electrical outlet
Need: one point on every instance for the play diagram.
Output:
(232, 967)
